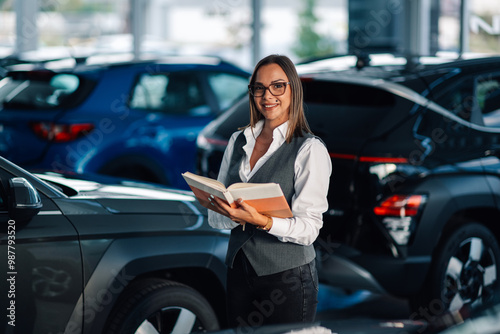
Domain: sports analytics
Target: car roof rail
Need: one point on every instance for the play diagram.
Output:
(363, 60)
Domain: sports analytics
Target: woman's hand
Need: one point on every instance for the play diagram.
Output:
(242, 214)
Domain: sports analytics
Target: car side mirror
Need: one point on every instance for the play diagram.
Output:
(25, 201)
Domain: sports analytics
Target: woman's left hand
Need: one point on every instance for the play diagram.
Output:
(242, 214)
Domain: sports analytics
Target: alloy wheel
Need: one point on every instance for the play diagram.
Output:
(470, 275)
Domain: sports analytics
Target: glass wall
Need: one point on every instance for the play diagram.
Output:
(298, 28)
(449, 25)
(483, 28)
(7, 29)
(484, 25)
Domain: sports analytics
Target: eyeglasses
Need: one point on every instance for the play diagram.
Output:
(276, 89)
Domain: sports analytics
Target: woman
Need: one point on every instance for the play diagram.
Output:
(272, 275)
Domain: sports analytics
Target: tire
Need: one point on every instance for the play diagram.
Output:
(465, 272)
(160, 306)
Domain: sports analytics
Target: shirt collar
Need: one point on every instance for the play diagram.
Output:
(282, 130)
(279, 133)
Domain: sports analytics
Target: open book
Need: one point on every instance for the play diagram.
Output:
(267, 198)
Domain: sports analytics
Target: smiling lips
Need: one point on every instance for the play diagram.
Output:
(269, 106)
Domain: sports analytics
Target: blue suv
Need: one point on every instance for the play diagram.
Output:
(135, 120)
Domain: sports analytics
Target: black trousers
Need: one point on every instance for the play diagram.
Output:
(285, 297)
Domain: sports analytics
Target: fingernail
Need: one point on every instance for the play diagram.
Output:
(212, 203)
(212, 196)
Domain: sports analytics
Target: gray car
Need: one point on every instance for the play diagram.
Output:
(80, 256)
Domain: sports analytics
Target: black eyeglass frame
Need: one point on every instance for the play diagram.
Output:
(268, 88)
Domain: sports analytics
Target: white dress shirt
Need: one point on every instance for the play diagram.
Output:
(312, 178)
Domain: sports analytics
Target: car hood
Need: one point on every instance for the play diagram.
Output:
(97, 186)
(122, 196)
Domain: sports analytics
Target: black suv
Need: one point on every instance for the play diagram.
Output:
(415, 191)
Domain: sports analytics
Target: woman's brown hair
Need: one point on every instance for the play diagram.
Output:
(297, 120)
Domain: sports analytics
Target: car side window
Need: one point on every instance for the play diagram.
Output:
(488, 97)
(227, 88)
(148, 92)
(171, 93)
(475, 99)
(459, 99)
(39, 90)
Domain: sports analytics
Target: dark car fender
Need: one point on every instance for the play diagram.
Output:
(452, 196)
(127, 259)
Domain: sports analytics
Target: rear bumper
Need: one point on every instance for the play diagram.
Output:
(340, 272)
(379, 274)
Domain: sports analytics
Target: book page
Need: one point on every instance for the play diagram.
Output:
(205, 180)
(203, 187)
(240, 185)
(255, 190)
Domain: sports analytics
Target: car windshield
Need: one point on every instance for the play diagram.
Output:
(39, 90)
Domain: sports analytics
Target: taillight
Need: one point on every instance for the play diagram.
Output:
(61, 133)
(399, 215)
(400, 205)
(394, 160)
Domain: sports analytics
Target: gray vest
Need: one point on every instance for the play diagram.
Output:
(265, 252)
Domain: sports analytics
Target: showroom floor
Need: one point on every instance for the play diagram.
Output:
(335, 303)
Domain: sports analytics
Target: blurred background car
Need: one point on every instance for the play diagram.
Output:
(98, 257)
(413, 199)
(134, 119)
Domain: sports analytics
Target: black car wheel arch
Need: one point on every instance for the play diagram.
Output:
(159, 305)
(465, 272)
(124, 267)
